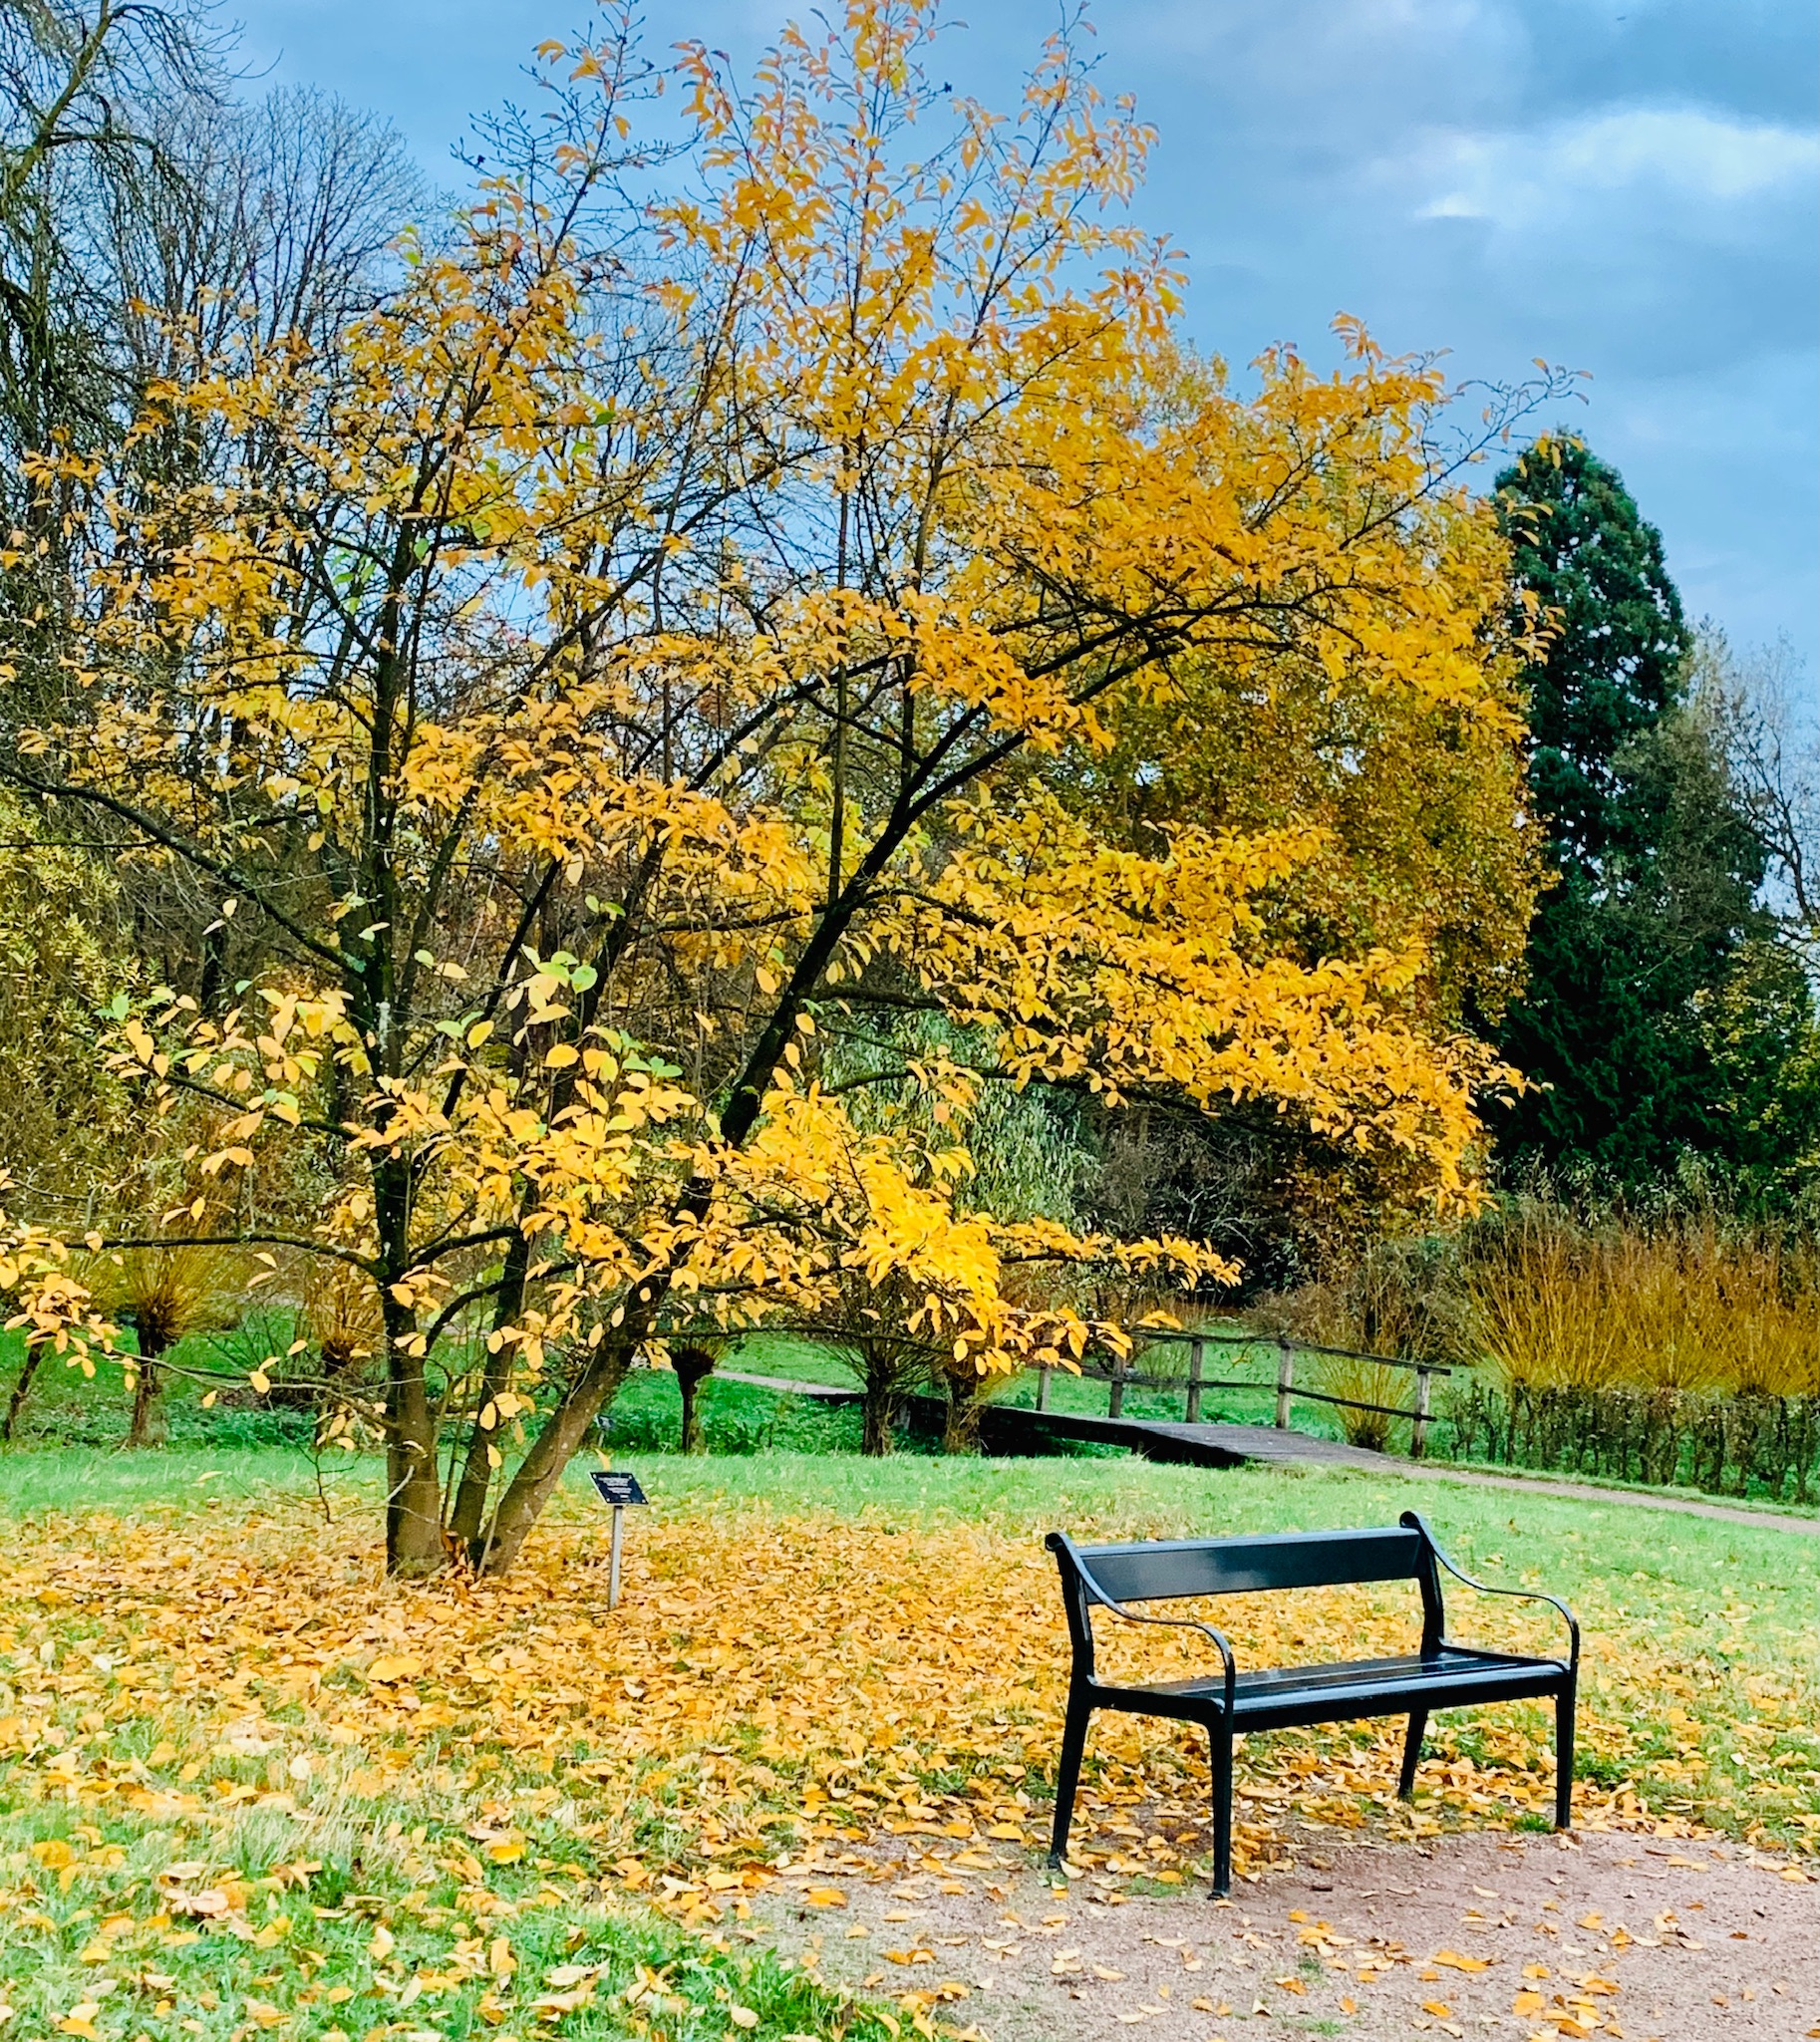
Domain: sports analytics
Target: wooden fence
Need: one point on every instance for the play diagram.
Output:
(1118, 1376)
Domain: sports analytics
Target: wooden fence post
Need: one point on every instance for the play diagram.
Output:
(1197, 1354)
(1115, 1394)
(1286, 1380)
(1418, 1438)
(1041, 1389)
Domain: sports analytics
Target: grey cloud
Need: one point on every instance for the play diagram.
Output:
(1627, 187)
(1512, 179)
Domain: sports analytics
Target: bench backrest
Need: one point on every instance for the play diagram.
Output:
(1168, 1569)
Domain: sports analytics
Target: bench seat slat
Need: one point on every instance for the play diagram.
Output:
(1397, 1680)
(1282, 1697)
(1405, 1669)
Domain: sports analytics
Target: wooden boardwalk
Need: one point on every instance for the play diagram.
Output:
(1007, 1429)
(1010, 1429)
(824, 1392)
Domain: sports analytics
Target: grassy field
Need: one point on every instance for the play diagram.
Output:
(738, 1418)
(252, 1786)
(806, 1362)
(64, 1407)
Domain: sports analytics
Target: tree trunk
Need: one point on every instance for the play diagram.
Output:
(22, 1388)
(693, 1366)
(552, 1450)
(878, 1413)
(477, 1469)
(414, 1495)
(562, 1436)
(960, 1422)
(414, 1545)
(149, 1426)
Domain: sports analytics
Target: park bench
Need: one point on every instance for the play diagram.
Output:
(1441, 1675)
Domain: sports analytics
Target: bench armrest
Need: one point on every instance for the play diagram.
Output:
(1415, 1522)
(1221, 1643)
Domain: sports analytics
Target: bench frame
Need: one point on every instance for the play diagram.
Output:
(1447, 1675)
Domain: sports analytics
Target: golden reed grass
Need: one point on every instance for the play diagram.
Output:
(1684, 1305)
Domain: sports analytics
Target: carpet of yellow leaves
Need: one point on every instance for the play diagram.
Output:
(773, 1691)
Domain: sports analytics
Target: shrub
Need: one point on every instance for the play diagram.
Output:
(165, 1295)
(1684, 1301)
(1681, 1345)
(1732, 1444)
(1404, 1298)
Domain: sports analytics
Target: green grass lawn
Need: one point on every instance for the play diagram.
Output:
(738, 1418)
(792, 1358)
(65, 1408)
(1253, 1365)
(142, 1895)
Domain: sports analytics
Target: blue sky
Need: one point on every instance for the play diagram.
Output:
(1630, 187)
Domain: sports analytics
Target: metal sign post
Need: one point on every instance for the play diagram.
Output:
(619, 1488)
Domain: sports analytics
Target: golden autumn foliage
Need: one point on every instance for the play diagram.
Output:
(667, 640)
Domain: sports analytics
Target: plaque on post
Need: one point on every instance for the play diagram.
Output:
(619, 1488)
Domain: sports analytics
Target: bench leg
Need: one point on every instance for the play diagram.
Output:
(1564, 1758)
(1412, 1752)
(1068, 1773)
(1220, 1737)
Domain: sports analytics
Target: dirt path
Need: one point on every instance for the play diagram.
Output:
(1533, 1937)
(1587, 1492)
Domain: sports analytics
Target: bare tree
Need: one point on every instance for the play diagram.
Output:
(163, 224)
(279, 228)
(1772, 738)
(77, 87)
(145, 212)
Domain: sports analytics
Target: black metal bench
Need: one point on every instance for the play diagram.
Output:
(1439, 1676)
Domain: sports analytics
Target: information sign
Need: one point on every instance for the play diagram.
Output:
(619, 1486)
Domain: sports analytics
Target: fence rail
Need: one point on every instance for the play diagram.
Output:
(1118, 1376)
(1210, 1337)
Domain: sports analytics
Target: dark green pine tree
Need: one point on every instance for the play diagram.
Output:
(1636, 942)
(1614, 665)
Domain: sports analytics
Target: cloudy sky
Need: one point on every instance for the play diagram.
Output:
(1630, 187)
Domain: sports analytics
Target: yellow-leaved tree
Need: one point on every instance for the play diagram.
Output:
(647, 654)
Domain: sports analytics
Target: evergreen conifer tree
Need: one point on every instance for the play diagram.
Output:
(1653, 907)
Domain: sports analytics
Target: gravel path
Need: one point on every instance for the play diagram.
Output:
(1587, 1492)
(1531, 1937)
